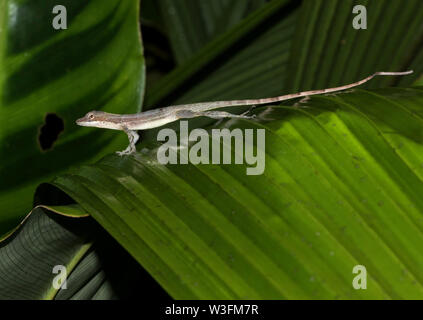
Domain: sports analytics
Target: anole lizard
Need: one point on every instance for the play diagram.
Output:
(129, 123)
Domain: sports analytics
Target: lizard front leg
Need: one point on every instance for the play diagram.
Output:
(133, 138)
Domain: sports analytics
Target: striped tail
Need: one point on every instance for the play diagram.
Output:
(204, 106)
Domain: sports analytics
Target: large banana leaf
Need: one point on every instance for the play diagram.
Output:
(52, 245)
(96, 266)
(342, 187)
(324, 50)
(328, 51)
(49, 77)
(191, 23)
(262, 34)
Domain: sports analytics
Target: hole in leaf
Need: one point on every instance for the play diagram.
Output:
(50, 131)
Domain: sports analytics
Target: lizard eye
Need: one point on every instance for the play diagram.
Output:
(91, 116)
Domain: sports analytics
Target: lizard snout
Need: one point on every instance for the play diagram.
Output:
(82, 121)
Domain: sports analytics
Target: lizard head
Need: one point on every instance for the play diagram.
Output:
(98, 119)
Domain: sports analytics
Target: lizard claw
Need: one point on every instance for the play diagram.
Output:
(125, 152)
(249, 110)
(253, 116)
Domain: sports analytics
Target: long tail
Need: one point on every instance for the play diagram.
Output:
(204, 106)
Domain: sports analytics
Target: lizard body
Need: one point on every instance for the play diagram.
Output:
(130, 123)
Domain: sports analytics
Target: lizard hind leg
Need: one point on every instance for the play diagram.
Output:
(223, 115)
(211, 114)
(219, 115)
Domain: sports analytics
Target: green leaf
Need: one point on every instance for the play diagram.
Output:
(22, 276)
(256, 69)
(342, 187)
(191, 23)
(343, 177)
(96, 266)
(419, 81)
(49, 78)
(327, 51)
(242, 34)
